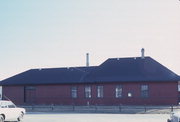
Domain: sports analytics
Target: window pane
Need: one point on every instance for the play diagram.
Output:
(100, 91)
(74, 92)
(30, 87)
(144, 91)
(119, 91)
(88, 92)
(144, 87)
(179, 88)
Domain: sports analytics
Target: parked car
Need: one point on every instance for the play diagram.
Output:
(175, 117)
(9, 111)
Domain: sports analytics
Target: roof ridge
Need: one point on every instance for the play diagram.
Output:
(123, 58)
(129, 57)
(62, 67)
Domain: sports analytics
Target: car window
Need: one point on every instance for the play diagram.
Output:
(11, 106)
(3, 106)
(7, 104)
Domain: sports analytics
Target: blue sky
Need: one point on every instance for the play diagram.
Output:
(58, 33)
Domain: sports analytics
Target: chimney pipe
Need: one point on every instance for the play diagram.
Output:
(142, 53)
(87, 59)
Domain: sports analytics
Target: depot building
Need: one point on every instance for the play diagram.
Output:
(117, 81)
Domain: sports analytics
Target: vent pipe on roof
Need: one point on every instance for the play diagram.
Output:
(142, 53)
(87, 59)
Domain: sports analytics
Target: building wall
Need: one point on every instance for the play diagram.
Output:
(164, 93)
(14, 93)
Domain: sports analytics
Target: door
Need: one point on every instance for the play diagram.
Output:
(30, 94)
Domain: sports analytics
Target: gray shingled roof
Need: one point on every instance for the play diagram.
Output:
(49, 76)
(131, 70)
(112, 70)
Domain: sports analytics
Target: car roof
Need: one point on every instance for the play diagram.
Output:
(5, 101)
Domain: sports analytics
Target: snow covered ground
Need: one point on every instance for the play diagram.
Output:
(59, 117)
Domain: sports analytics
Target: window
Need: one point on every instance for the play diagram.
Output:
(0, 92)
(100, 91)
(88, 91)
(11, 106)
(144, 91)
(74, 92)
(30, 88)
(178, 87)
(119, 91)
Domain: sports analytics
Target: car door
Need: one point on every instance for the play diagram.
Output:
(10, 111)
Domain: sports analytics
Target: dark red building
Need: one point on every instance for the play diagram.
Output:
(126, 81)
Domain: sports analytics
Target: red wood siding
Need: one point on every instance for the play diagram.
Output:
(164, 93)
(14, 93)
